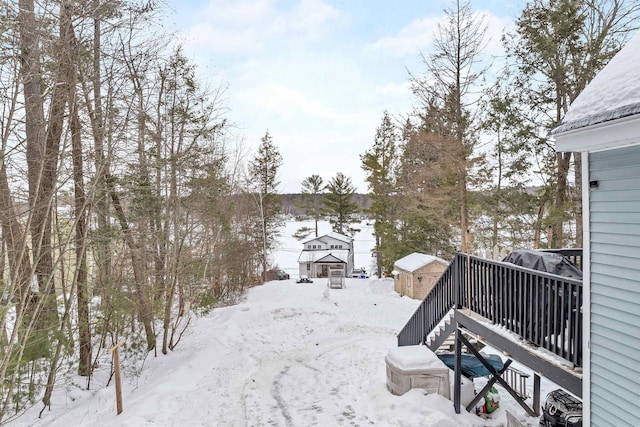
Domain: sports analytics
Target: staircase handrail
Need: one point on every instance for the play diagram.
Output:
(542, 308)
(435, 306)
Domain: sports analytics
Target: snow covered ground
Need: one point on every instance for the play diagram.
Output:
(288, 355)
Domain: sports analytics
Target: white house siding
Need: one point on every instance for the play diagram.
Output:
(614, 225)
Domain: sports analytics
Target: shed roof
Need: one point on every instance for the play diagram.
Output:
(416, 260)
(614, 92)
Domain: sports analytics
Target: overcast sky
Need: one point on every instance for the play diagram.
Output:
(318, 74)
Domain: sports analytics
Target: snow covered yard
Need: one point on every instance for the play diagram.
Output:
(288, 355)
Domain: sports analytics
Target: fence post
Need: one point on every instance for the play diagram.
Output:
(116, 367)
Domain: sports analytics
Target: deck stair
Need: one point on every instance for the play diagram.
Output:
(443, 337)
(533, 316)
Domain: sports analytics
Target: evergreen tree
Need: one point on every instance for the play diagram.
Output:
(505, 202)
(312, 189)
(339, 206)
(452, 70)
(379, 165)
(558, 47)
(427, 186)
(263, 171)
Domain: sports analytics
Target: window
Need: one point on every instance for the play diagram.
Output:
(308, 246)
(333, 246)
(308, 266)
(314, 246)
(339, 246)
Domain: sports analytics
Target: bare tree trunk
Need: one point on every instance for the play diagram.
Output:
(82, 289)
(146, 315)
(102, 164)
(43, 146)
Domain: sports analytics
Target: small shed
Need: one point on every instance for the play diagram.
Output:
(416, 274)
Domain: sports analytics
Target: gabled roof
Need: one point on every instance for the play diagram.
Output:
(333, 235)
(331, 258)
(416, 260)
(614, 93)
(317, 255)
(339, 236)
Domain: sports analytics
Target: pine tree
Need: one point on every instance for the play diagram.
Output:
(379, 164)
(339, 206)
(263, 171)
(427, 189)
(451, 72)
(312, 193)
(558, 47)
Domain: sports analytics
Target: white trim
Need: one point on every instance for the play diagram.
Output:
(586, 294)
(612, 134)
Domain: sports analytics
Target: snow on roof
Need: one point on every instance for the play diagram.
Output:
(414, 261)
(332, 234)
(339, 236)
(313, 256)
(614, 92)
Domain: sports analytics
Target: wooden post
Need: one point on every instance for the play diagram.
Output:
(116, 367)
(468, 251)
(536, 394)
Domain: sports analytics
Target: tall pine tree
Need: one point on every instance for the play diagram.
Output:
(379, 164)
(263, 171)
(339, 206)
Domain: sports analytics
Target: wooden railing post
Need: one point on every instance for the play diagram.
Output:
(116, 367)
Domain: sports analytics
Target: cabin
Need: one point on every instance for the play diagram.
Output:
(320, 255)
(602, 126)
(416, 273)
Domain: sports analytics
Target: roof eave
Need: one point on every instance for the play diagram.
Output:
(601, 136)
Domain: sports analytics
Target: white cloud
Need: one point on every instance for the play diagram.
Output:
(246, 26)
(205, 37)
(414, 37)
(418, 35)
(309, 18)
(277, 97)
(496, 25)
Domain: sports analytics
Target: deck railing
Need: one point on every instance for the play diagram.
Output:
(542, 308)
(438, 302)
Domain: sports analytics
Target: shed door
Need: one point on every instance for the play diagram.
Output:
(615, 286)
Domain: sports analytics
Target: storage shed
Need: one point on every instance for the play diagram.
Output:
(416, 274)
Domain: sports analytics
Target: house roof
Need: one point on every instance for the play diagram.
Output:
(416, 260)
(614, 92)
(336, 236)
(317, 255)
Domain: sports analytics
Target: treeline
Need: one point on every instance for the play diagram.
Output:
(457, 172)
(294, 204)
(125, 208)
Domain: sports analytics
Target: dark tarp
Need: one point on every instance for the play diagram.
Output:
(471, 366)
(544, 261)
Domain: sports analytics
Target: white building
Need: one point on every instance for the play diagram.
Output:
(329, 252)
